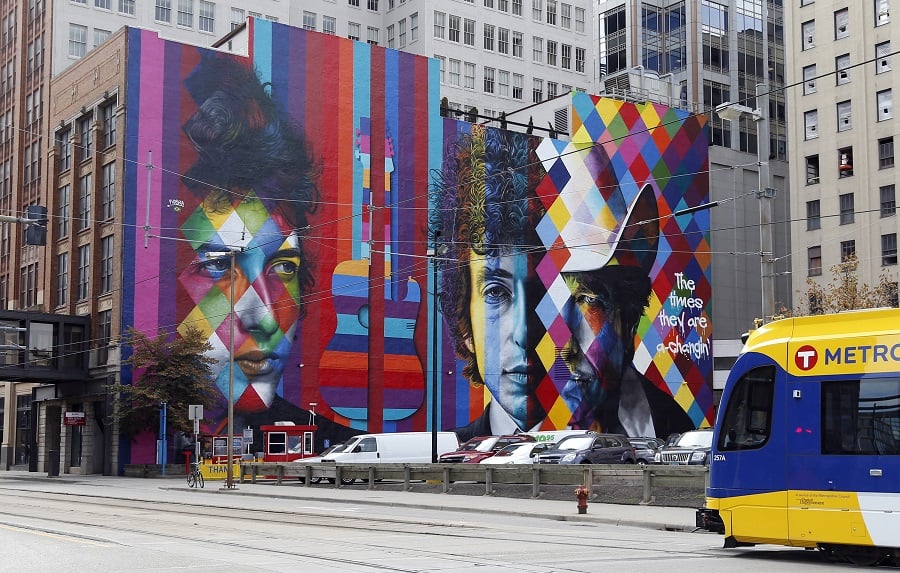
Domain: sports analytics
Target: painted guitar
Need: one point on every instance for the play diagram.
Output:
(344, 366)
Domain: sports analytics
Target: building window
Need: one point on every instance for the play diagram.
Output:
(185, 13)
(565, 16)
(812, 169)
(454, 29)
(354, 3)
(537, 10)
(885, 105)
(63, 201)
(353, 31)
(517, 7)
(537, 50)
(108, 191)
(537, 90)
(809, 79)
(109, 125)
(848, 249)
(28, 285)
(882, 57)
(552, 90)
(64, 147)
(163, 11)
(518, 86)
(469, 32)
(566, 62)
(551, 52)
(882, 12)
(77, 40)
(886, 153)
(372, 5)
(579, 19)
(469, 76)
(811, 124)
(391, 38)
(455, 72)
(104, 335)
(518, 43)
(84, 272)
(503, 5)
(489, 37)
(237, 18)
(845, 162)
(100, 36)
(842, 69)
(813, 215)
(846, 208)
(86, 137)
(503, 40)
(503, 83)
(844, 114)
(579, 60)
(439, 24)
(488, 80)
(207, 22)
(126, 7)
(84, 201)
(889, 249)
(62, 279)
(808, 29)
(814, 261)
(106, 264)
(372, 35)
(101, 4)
(329, 25)
(413, 27)
(841, 24)
(888, 200)
(551, 12)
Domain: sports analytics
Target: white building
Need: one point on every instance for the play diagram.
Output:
(842, 138)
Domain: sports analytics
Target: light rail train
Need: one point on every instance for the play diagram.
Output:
(806, 451)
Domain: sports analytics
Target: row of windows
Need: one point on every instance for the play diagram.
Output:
(842, 68)
(848, 249)
(85, 130)
(122, 6)
(881, 16)
(206, 21)
(884, 101)
(844, 161)
(238, 17)
(846, 208)
(497, 81)
(83, 282)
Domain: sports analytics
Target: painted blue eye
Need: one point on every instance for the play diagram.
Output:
(216, 267)
(363, 315)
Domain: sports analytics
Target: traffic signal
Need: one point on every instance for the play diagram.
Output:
(35, 225)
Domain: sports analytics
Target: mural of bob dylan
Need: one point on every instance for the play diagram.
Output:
(544, 325)
(257, 186)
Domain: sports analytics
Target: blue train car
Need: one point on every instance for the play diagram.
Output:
(806, 451)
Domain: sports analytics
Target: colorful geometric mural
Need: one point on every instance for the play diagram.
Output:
(312, 177)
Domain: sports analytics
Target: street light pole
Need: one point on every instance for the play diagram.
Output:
(433, 253)
(765, 194)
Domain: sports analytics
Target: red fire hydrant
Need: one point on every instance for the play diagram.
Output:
(582, 493)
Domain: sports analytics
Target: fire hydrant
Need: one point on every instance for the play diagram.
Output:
(582, 493)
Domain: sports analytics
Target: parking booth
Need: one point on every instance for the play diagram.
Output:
(286, 442)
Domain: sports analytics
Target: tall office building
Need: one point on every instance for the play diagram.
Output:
(842, 139)
(700, 54)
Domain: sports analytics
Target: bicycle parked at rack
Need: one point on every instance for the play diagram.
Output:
(195, 478)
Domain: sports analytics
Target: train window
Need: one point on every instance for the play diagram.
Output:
(861, 417)
(747, 421)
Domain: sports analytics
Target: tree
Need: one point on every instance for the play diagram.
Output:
(170, 369)
(845, 291)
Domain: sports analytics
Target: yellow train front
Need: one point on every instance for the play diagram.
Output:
(806, 451)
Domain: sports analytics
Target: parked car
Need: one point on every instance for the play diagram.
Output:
(691, 448)
(481, 447)
(520, 453)
(645, 449)
(591, 448)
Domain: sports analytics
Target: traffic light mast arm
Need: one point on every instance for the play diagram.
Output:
(35, 221)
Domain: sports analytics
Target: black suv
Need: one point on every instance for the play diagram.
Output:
(691, 448)
(590, 448)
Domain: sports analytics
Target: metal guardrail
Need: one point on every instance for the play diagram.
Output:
(650, 478)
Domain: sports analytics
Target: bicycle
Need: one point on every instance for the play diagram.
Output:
(195, 478)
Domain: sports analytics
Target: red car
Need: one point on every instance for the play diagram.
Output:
(481, 448)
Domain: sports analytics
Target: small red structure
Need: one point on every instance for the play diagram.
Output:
(286, 442)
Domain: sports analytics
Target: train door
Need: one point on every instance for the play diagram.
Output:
(749, 473)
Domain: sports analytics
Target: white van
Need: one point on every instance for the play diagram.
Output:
(397, 447)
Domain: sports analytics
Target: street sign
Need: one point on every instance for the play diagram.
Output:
(248, 435)
(195, 412)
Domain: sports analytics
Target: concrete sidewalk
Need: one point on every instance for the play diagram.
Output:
(647, 516)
